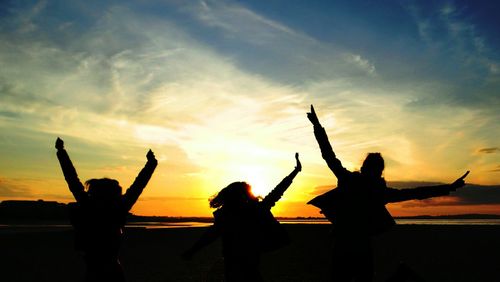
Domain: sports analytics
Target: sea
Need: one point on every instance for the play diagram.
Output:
(16, 228)
(434, 221)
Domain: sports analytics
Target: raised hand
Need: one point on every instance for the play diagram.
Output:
(298, 167)
(313, 117)
(459, 182)
(59, 144)
(151, 156)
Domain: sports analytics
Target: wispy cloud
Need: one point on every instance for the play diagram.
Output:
(137, 82)
(11, 188)
(262, 45)
(363, 63)
(240, 21)
(24, 188)
(464, 58)
(490, 150)
(214, 86)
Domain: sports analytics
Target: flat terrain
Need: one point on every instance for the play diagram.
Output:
(436, 253)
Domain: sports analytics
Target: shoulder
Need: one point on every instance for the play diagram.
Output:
(350, 176)
(355, 174)
(382, 182)
(218, 213)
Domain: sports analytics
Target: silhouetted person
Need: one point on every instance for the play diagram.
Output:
(405, 274)
(99, 216)
(357, 210)
(246, 226)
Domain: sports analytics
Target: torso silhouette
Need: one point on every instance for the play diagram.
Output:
(357, 209)
(98, 227)
(357, 205)
(361, 208)
(247, 228)
(246, 232)
(239, 228)
(98, 219)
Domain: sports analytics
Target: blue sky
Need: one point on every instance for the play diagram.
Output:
(219, 89)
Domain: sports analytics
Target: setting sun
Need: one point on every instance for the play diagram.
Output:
(258, 179)
(220, 90)
(177, 103)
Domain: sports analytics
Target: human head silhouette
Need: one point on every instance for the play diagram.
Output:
(373, 165)
(103, 189)
(235, 194)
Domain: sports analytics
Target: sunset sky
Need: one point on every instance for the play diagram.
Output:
(219, 90)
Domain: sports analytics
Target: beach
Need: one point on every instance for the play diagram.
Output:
(437, 253)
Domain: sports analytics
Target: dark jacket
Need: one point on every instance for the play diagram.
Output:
(252, 229)
(98, 226)
(357, 205)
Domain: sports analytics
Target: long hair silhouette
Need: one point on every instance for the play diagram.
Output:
(99, 215)
(246, 226)
(235, 193)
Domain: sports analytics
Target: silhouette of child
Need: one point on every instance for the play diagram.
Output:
(246, 226)
(100, 214)
(357, 210)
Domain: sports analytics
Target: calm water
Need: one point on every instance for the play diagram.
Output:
(15, 228)
(411, 221)
(449, 221)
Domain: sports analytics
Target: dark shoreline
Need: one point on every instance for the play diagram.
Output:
(437, 252)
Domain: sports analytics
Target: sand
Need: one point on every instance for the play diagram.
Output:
(436, 253)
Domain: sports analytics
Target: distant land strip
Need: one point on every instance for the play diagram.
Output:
(12, 211)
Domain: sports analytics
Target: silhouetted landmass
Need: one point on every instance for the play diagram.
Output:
(453, 216)
(21, 211)
(26, 212)
(14, 210)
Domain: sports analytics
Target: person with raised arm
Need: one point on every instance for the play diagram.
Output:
(247, 228)
(357, 209)
(99, 215)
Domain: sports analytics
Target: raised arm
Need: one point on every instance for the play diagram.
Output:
(326, 149)
(141, 181)
(420, 193)
(278, 191)
(69, 171)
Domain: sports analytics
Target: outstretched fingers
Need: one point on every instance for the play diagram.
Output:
(150, 156)
(312, 116)
(312, 110)
(459, 182)
(465, 175)
(299, 165)
(59, 143)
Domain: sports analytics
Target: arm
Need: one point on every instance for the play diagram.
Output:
(69, 171)
(278, 191)
(420, 193)
(206, 239)
(326, 148)
(141, 181)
